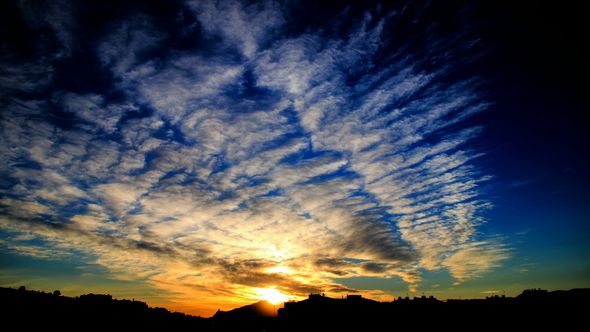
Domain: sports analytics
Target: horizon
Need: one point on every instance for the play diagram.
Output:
(200, 155)
(281, 304)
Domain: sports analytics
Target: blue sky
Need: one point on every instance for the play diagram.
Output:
(192, 154)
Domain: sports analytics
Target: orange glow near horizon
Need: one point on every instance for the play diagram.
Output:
(271, 295)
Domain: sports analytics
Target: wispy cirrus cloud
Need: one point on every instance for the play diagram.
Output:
(204, 170)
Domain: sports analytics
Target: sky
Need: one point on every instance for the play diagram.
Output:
(200, 155)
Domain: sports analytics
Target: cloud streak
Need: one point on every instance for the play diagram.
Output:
(201, 170)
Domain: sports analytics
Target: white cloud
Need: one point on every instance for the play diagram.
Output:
(191, 182)
(92, 109)
(242, 27)
(120, 51)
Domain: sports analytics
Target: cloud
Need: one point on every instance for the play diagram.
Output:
(122, 49)
(91, 109)
(56, 22)
(474, 259)
(199, 171)
(27, 76)
(244, 28)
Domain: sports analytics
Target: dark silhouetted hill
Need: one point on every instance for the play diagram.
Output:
(258, 316)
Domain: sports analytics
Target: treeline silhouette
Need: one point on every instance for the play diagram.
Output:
(533, 309)
(37, 309)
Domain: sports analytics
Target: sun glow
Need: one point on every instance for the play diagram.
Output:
(280, 269)
(271, 295)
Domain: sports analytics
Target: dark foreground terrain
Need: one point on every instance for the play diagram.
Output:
(533, 309)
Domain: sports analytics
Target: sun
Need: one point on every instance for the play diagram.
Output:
(271, 295)
(280, 269)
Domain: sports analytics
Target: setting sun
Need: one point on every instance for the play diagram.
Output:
(271, 295)
(280, 269)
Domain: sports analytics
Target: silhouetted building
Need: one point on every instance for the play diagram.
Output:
(533, 309)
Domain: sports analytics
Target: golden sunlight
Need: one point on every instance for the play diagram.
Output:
(271, 295)
(280, 269)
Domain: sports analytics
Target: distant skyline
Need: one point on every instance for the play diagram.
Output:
(204, 155)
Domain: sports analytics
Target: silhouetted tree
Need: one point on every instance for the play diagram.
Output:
(56, 293)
